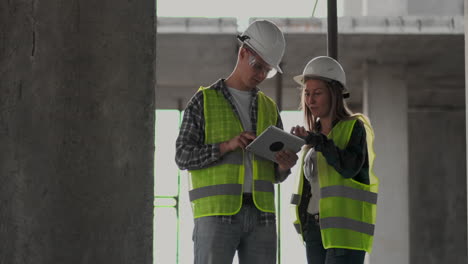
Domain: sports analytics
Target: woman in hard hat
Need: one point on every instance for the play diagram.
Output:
(337, 191)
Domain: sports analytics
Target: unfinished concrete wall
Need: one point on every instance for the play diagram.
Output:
(435, 8)
(437, 179)
(404, 8)
(76, 131)
(382, 8)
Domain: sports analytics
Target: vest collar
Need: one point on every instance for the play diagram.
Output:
(220, 85)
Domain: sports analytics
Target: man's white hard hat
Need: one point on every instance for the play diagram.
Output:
(323, 67)
(267, 40)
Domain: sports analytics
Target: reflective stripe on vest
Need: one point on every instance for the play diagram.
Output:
(346, 223)
(217, 188)
(233, 158)
(264, 186)
(348, 192)
(295, 199)
(228, 189)
(213, 190)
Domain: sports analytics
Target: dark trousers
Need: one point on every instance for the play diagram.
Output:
(316, 254)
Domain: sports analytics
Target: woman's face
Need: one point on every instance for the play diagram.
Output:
(317, 98)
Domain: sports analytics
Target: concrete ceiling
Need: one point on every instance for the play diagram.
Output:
(433, 65)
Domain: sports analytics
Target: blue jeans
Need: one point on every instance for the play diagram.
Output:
(217, 240)
(316, 254)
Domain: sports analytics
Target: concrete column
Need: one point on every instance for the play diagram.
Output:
(466, 96)
(76, 131)
(386, 104)
(435, 8)
(385, 8)
(353, 8)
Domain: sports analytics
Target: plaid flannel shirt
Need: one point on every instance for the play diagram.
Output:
(193, 153)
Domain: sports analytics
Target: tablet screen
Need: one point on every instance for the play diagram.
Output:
(272, 140)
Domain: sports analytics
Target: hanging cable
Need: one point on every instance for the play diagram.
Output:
(315, 6)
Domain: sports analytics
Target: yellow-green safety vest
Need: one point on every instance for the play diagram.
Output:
(217, 189)
(347, 208)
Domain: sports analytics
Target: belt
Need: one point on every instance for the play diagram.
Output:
(315, 217)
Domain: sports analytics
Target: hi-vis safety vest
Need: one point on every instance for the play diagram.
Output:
(217, 189)
(347, 208)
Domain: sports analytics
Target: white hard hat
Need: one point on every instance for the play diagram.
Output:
(323, 67)
(267, 40)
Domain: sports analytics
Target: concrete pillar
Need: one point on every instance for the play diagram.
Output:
(353, 8)
(435, 8)
(385, 8)
(76, 131)
(386, 104)
(466, 96)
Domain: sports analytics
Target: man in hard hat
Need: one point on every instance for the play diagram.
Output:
(232, 190)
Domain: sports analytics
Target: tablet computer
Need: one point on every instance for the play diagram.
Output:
(272, 140)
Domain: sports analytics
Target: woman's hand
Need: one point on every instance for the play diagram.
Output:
(299, 131)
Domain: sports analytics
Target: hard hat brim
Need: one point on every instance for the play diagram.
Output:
(277, 67)
(300, 80)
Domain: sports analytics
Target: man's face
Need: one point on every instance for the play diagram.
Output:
(258, 70)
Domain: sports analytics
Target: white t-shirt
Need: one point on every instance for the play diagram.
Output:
(310, 173)
(243, 102)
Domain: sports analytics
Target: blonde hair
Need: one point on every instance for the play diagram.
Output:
(339, 109)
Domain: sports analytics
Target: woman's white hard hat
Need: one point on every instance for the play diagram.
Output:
(323, 67)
